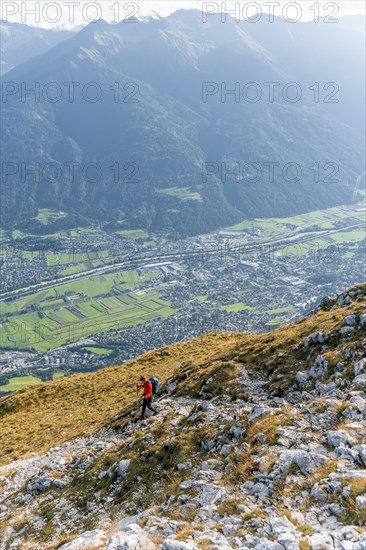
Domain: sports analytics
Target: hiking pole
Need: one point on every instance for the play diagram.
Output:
(138, 400)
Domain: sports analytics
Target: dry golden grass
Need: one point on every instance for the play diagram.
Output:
(304, 544)
(358, 485)
(268, 426)
(354, 515)
(43, 416)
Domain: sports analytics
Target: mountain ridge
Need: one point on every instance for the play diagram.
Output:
(163, 126)
(20, 42)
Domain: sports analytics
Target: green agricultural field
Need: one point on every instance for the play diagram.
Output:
(236, 308)
(201, 298)
(317, 244)
(47, 216)
(316, 220)
(149, 244)
(17, 234)
(132, 233)
(72, 269)
(19, 382)
(275, 322)
(182, 193)
(348, 236)
(98, 351)
(95, 258)
(95, 304)
(58, 374)
(3, 235)
(288, 309)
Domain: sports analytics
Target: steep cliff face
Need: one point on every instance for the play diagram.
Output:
(259, 442)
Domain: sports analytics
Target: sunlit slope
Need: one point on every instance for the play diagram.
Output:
(45, 415)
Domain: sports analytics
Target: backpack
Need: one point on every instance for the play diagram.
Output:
(155, 384)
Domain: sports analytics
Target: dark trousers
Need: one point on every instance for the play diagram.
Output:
(146, 404)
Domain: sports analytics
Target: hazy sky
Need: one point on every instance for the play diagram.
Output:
(71, 13)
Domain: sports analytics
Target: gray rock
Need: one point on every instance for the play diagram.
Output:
(134, 529)
(177, 545)
(59, 483)
(43, 483)
(124, 523)
(320, 368)
(265, 544)
(123, 467)
(360, 380)
(236, 431)
(350, 320)
(361, 502)
(257, 489)
(346, 299)
(211, 494)
(133, 541)
(229, 530)
(335, 509)
(301, 378)
(87, 540)
(305, 461)
(184, 466)
(361, 543)
(284, 531)
(321, 541)
(347, 453)
(362, 453)
(315, 338)
(318, 494)
(363, 319)
(340, 437)
(360, 367)
(348, 533)
(346, 330)
(170, 387)
(225, 450)
(207, 445)
(211, 464)
(261, 438)
(186, 484)
(169, 528)
(257, 412)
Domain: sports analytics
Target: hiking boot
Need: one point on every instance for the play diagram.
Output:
(155, 413)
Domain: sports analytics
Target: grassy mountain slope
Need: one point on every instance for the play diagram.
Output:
(256, 435)
(45, 415)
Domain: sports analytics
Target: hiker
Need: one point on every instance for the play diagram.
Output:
(147, 397)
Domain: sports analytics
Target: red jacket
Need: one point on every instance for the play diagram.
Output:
(147, 389)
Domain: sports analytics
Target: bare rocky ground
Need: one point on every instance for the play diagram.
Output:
(245, 467)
